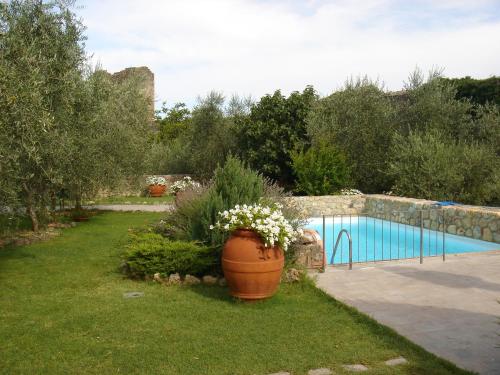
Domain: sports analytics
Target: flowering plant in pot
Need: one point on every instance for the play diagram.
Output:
(252, 257)
(156, 185)
(182, 185)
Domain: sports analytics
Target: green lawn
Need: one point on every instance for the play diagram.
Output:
(133, 200)
(62, 312)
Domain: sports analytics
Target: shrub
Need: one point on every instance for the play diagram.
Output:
(232, 184)
(432, 166)
(321, 170)
(149, 253)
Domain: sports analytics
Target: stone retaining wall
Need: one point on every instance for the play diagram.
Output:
(331, 204)
(470, 221)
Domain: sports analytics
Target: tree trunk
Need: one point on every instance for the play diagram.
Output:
(78, 202)
(31, 210)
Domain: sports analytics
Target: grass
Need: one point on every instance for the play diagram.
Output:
(62, 311)
(166, 199)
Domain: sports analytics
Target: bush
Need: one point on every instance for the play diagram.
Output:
(432, 166)
(232, 184)
(150, 253)
(321, 170)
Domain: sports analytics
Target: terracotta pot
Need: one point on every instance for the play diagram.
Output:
(252, 271)
(157, 190)
(80, 218)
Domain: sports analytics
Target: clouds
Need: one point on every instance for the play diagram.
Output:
(257, 46)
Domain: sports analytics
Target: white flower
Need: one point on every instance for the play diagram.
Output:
(268, 222)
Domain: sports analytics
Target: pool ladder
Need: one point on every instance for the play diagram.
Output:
(339, 237)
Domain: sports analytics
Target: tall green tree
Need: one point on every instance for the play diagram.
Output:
(359, 121)
(274, 129)
(41, 56)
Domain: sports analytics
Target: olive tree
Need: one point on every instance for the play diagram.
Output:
(41, 55)
(359, 121)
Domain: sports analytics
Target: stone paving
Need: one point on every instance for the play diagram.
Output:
(132, 207)
(450, 308)
(350, 368)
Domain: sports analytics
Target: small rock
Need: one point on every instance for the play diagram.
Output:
(280, 373)
(222, 281)
(396, 361)
(292, 275)
(174, 279)
(73, 224)
(191, 280)
(355, 368)
(320, 371)
(133, 294)
(157, 277)
(209, 280)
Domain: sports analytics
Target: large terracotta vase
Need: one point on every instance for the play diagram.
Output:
(252, 271)
(157, 190)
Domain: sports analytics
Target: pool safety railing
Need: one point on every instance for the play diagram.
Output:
(339, 237)
(389, 236)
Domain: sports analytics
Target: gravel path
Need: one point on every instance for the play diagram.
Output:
(132, 207)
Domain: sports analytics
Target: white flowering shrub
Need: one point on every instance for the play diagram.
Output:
(156, 180)
(350, 192)
(268, 222)
(184, 184)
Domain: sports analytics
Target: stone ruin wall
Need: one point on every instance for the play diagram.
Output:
(147, 82)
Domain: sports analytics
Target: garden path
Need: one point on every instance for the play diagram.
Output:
(451, 308)
(132, 207)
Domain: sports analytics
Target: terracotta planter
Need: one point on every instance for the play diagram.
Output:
(80, 218)
(252, 271)
(157, 190)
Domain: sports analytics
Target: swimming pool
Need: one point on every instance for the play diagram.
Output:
(377, 239)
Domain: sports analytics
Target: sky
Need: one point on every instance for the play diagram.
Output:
(254, 47)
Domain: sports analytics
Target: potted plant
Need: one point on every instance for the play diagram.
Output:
(156, 185)
(79, 214)
(180, 186)
(253, 256)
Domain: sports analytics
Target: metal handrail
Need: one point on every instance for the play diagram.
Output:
(337, 244)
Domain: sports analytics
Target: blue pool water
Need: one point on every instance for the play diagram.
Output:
(377, 239)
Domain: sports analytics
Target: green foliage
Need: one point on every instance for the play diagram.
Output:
(174, 123)
(321, 170)
(63, 125)
(479, 91)
(232, 184)
(433, 166)
(197, 143)
(359, 122)
(275, 127)
(150, 253)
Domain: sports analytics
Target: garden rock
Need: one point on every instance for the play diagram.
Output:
(320, 371)
(222, 281)
(292, 275)
(396, 361)
(174, 279)
(191, 280)
(355, 368)
(209, 280)
(133, 294)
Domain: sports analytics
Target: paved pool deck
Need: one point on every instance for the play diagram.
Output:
(450, 308)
